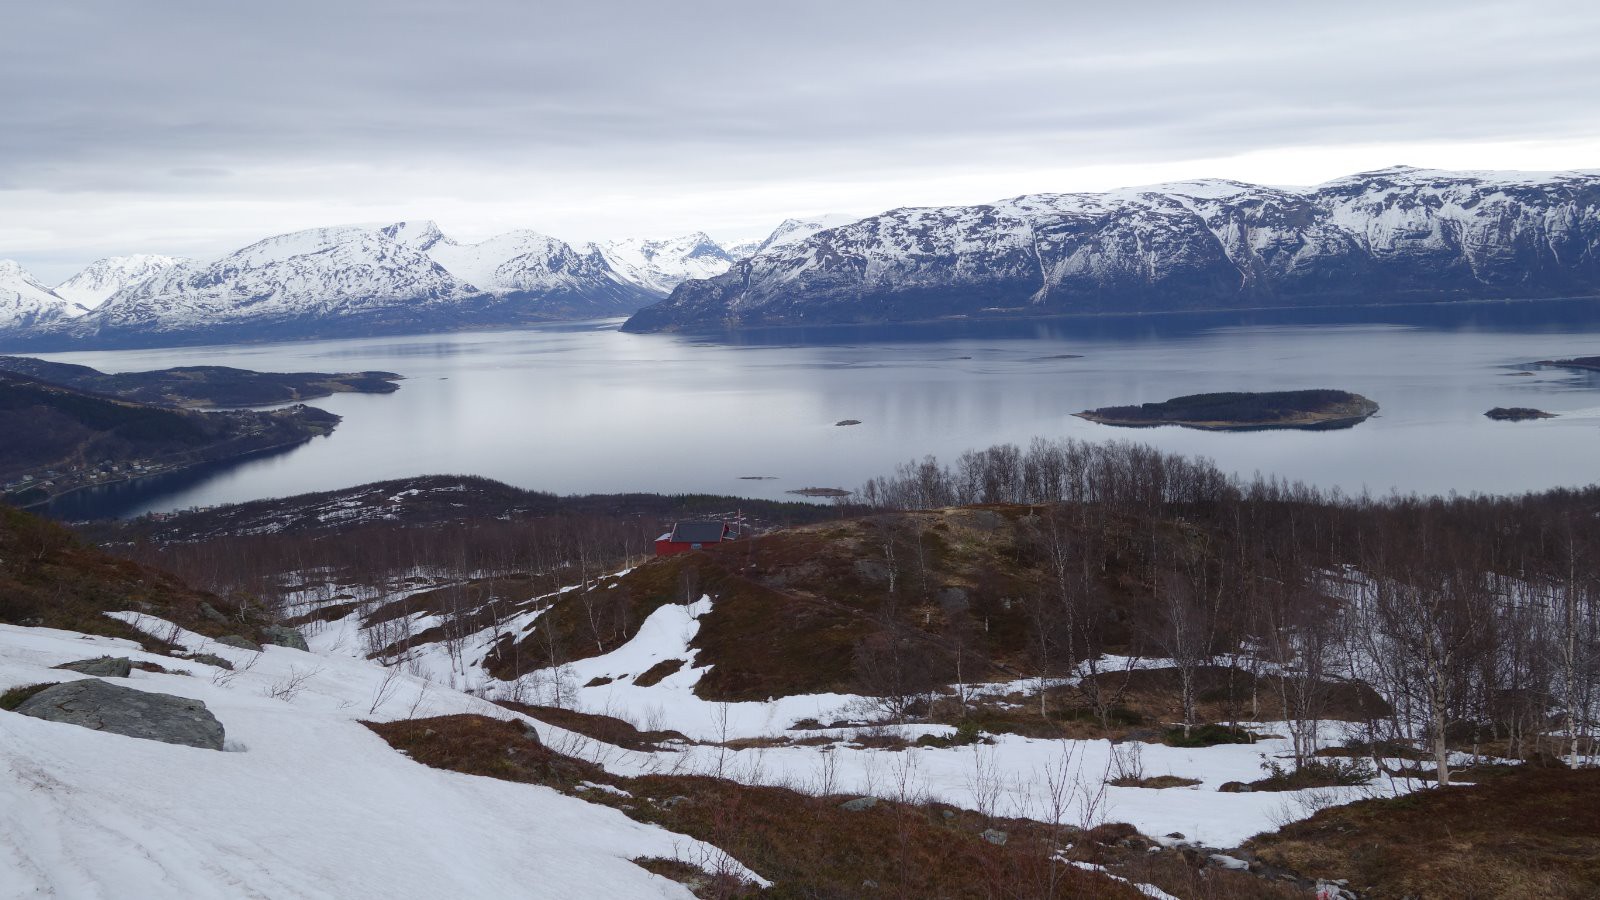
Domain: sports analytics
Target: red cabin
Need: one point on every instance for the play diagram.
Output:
(686, 536)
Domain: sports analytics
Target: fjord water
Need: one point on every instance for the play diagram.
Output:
(582, 408)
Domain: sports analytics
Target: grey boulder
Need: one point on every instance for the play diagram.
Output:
(239, 641)
(284, 637)
(104, 666)
(102, 706)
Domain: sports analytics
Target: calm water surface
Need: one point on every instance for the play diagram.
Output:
(584, 408)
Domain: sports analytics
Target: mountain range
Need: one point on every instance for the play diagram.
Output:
(1393, 235)
(349, 280)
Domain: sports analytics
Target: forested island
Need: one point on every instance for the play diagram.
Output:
(203, 386)
(1517, 414)
(1309, 410)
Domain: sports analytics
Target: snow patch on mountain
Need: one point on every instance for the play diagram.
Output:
(102, 278)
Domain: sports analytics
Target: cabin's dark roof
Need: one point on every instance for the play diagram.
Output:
(697, 532)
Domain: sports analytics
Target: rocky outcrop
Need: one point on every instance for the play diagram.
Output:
(103, 666)
(102, 706)
(283, 636)
(1394, 235)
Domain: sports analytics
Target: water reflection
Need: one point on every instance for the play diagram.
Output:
(582, 407)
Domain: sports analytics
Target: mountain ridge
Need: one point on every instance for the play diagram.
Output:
(1390, 235)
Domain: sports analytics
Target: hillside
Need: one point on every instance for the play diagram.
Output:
(201, 386)
(63, 439)
(1395, 235)
(399, 786)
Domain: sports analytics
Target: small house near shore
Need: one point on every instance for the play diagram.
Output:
(686, 536)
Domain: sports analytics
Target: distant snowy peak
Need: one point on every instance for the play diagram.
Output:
(419, 235)
(102, 278)
(661, 265)
(791, 231)
(26, 302)
(520, 261)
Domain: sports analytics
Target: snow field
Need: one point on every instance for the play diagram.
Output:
(309, 803)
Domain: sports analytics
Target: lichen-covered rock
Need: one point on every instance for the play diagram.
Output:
(103, 666)
(102, 706)
(239, 641)
(859, 804)
(284, 636)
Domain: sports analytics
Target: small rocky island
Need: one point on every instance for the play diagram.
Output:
(1517, 414)
(1589, 363)
(1312, 410)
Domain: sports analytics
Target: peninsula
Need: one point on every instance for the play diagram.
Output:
(202, 386)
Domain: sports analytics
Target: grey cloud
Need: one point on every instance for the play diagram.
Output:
(169, 96)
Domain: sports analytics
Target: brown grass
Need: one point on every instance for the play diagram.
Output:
(48, 577)
(602, 728)
(806, 845)
(1158, 781)
(1532, 834)
(478, 745)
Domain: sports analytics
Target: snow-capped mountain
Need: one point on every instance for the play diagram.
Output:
(527, 263)
(25, 302)
(102, 278)
(1390, 235)
(790, 231)
(343, 280)
(660, 266)
(313, 274)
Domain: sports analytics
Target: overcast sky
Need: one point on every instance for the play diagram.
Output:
(195, 126)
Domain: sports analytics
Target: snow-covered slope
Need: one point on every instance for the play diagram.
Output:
(317, 273)
(26, 303)
(1392, 234)
(660, 266)
(305, 803)
(528, 263)
(102, 278)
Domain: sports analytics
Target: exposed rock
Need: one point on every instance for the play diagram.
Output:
(284, 636)
(239, 641)
(211, 659)
(210, 612)
(859, 804)
(103, 666)
(994, 836)
(102, 706)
